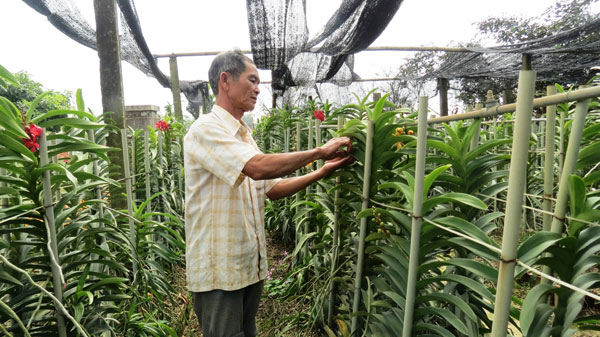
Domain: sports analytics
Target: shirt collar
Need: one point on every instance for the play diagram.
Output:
(231, 124)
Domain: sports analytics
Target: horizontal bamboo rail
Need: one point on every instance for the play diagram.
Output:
(576, 95)
(482, 50)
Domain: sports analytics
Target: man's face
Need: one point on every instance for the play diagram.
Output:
(244, 92)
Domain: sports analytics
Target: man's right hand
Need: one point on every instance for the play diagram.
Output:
(332, 149)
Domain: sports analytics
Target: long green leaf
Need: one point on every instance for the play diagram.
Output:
(461, 198)
(530, 305)
(82, 114)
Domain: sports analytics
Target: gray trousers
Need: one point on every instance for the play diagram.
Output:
(228, 313)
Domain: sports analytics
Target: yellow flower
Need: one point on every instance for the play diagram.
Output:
(399, 145)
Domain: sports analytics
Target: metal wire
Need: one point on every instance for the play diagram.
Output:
(544, 212)
(497, 250)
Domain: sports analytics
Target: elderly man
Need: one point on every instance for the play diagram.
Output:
(227, 180)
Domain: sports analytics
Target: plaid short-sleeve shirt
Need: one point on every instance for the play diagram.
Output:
(224, 209)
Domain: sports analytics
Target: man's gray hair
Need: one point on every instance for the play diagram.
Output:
(233, 62)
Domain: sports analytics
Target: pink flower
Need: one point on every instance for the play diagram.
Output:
(285, 253)
(319, 114)
(162, 125)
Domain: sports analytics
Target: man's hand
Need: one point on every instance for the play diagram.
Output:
(332, 165)
(332, 149)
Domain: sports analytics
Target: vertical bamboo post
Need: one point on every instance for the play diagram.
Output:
(415, 236)
(363, 224)
(132, 234)
(318, 139)
(147, 170)
(317, 144)
(562, 196)
(133, 169)
(491, 102)
(570, 162)
(160, 164)
(514, 200)
(3, 205)
(180, 173)
(475, 139)
(549, 159)
(286, 144)
(175, 88)
(298, 148)
(561, 145)
(57, 278)
(308, 147)
(335, 238)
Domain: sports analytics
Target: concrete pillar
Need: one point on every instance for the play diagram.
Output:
(140, 116)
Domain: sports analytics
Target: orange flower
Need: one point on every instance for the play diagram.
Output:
(411, 132)
(399, 146)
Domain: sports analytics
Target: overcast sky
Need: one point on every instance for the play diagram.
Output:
(30, 43)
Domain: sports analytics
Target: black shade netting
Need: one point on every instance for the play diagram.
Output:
(66, 17)
(280, 40)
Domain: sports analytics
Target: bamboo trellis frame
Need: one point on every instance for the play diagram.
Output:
(523, 121)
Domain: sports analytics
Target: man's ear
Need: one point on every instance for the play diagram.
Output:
(224, 79)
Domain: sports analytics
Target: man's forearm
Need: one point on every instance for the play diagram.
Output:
(289, 186)
(269, 166)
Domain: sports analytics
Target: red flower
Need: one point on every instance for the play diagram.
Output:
(162, 125)
(319, 114)
(31, 144)
(34, 132)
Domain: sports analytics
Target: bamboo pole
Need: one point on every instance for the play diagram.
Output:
(132, 233)
(57, 278)
(133, 169)
(549, 159)
(415, 236)
(286, 143)
(308, 147)
(147, 170)
(160, 164)
(363, 224)
(298, 148)
(475, 139)
(317, 144)
(318, 139)
(335, 238)
(576, 95)
(561, 144)
(3, 205)
(562, 196)
(175, 88)
(514, 200)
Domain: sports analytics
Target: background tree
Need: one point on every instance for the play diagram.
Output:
(561, 16)
(27, 90)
